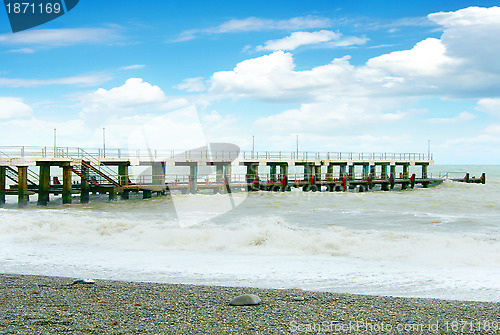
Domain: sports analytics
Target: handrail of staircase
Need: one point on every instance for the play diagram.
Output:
(102, 170)
(102, 174)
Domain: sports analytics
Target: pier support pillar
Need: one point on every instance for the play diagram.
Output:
(424, 171)
(393, 171)
(193, 178)
(222, 170)
(66, 193)
(22, 182)
(329, 172)
(219, 173)
(228, 171)
(366, 171)
(317, 175)
(123, 174)
(284, 170)
(308, 171)
(44, 185)
(158, 173)
(3, 175)
(308, 174)
(85, 186)
(373, 173)
(193, 175)
(383, 172)
(252, 173)
(125, 195)
(112, 194)
(342, 171)
(272, 172)
(406, 171)
(351, 172)
(146, 194)
(383, 175)
(317, 171)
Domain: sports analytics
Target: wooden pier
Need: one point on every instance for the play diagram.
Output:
(27, 171)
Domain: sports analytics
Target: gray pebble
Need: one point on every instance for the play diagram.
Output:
(245, 300)
(83, 281)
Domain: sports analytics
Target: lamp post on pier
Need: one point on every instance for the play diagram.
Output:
(104, 142)
(55, 144)
(297, 147)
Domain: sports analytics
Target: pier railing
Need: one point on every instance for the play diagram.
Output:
(214, 178)
(99, 153)
(294, 155)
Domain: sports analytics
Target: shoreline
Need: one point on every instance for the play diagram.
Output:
(43, 304)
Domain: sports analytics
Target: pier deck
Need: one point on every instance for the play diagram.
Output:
(27, 170)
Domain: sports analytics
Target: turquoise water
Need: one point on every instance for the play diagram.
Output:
(441, 242)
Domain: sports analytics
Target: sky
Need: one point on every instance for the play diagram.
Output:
(341, 76)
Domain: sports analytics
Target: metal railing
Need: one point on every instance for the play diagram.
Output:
(306, 156)
(213, 178)
(97, 153)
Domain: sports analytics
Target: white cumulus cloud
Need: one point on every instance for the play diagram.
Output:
(192, 85)
(133, 67)
(460, 118)
(81, 80)
(427, 58)
(472, 35)
(14, 108)
(298, 39)
(462, 63)
(62, 37)
(257, 24)
(490, 106)
(273, 78)
(134, 97)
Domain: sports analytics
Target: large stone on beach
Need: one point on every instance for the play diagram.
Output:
(83, 281)
(245, 300)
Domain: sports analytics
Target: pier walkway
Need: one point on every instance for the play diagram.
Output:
(26, 171)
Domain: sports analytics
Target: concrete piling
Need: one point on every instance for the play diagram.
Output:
(193, 175)
(123, 174)
(351, 172)
(406, 170)
(272, 172)
(22, 175)
(66, 192)
(219, 172)
(424, 171)
(44, 185)
(112, 194)
(317, 171)
(85, 185)
(3, 184)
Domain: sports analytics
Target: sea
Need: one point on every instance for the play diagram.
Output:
(439, 242)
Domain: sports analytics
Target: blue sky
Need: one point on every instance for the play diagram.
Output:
(348, 76)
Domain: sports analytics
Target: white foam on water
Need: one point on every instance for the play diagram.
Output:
(419, 243)
(339, 274)
(259, 235)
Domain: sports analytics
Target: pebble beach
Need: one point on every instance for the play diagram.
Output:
(55, 305)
